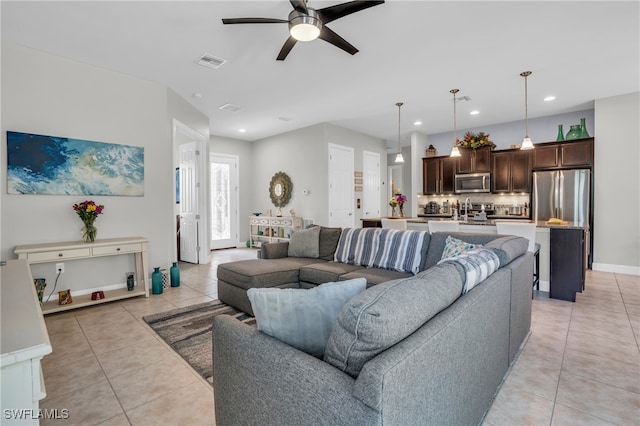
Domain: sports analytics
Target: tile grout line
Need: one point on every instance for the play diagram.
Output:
(635, 337)
(564, 351)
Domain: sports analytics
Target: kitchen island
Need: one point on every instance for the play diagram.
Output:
(562, 254)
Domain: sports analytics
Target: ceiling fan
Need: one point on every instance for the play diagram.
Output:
(306, 23)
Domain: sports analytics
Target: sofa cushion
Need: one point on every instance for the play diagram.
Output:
(263, 272)
(477, 265)
(375, 275)
(508, 248)
(305, 243)
(329, 238)
(323, 272)
(381, 248)
(302, 318)
(454, 247)
(385, 314)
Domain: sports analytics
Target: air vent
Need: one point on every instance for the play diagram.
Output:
(463, 98)
(210, 61)
(284, 118)
(230, 107)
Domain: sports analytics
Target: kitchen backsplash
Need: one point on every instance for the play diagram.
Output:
(499, 201)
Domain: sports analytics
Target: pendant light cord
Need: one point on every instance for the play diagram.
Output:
(526, 74)
(399, 104)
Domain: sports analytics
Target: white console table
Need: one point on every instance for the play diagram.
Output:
(73, 250)
(24, 341)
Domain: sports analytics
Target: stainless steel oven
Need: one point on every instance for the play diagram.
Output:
(473, 182)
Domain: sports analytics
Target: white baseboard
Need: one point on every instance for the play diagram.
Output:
(618, 269)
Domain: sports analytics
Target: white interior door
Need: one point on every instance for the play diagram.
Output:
(189, 217)
(370, 184)
(341, 186)
(224, 201)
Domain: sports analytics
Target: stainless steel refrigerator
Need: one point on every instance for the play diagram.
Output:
(563, 194)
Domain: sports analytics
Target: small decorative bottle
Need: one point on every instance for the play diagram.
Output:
(560, 136)
(573, 133)
(583, 129)
(156, 281)
(175, 275)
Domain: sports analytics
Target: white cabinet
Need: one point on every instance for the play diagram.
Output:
(270, 229)
(74, 250)
(23, 342)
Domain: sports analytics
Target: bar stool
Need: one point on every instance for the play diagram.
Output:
(443, 226)
(400, 224)
(528, 231)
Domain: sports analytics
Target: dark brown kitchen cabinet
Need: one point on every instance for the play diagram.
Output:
(554, 155)
(438, 175)
(568, 263)
(474, 160)
(511, 171)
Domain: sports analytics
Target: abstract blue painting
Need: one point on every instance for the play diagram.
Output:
(38, 164)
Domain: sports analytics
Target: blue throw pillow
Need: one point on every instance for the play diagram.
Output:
(302, 318)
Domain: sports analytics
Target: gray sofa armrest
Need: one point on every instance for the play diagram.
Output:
(260, 380)
(274, 250)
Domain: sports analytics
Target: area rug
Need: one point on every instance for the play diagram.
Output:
(188, 332)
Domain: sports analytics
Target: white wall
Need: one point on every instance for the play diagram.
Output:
(47, 94)
(616, 245)
(541, 129)
(302, 154)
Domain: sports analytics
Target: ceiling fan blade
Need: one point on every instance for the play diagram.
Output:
(332, 13)
(299, 5)
(253, 21)
(329, 36)
(286, 48)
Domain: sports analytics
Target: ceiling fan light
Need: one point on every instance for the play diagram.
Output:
(304, 27)
(399, 158)
(455, 152)
(526, 143)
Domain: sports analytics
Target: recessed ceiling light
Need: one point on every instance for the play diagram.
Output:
(417, 123)
(242, 130)
(474, 112)
(197, 95)
(549, 98)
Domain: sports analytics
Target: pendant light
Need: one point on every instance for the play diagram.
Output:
(399, 158)
(526, 142)
(455, 152)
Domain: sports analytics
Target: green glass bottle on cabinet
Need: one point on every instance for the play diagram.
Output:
(560, 136)
(574, 132)
(583, 129)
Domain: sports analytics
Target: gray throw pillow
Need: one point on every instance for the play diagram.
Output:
(387, 313)
(305, 243)
(302, 318)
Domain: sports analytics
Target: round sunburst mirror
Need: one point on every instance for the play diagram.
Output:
(280, 189)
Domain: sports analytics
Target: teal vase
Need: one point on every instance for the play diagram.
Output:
(574, 132)
(583, 129)
(174, 271)
(560, 136)
(156, 281)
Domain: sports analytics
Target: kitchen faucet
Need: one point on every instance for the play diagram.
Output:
(465, 216)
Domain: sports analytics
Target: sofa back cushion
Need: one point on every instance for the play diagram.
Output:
(508, 248)
(385, 314)
(329, 238)
(381, 248)
(299, 317)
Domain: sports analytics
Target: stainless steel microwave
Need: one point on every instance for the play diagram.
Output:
(474, 182)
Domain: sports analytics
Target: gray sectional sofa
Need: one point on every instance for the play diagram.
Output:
(402, 352)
